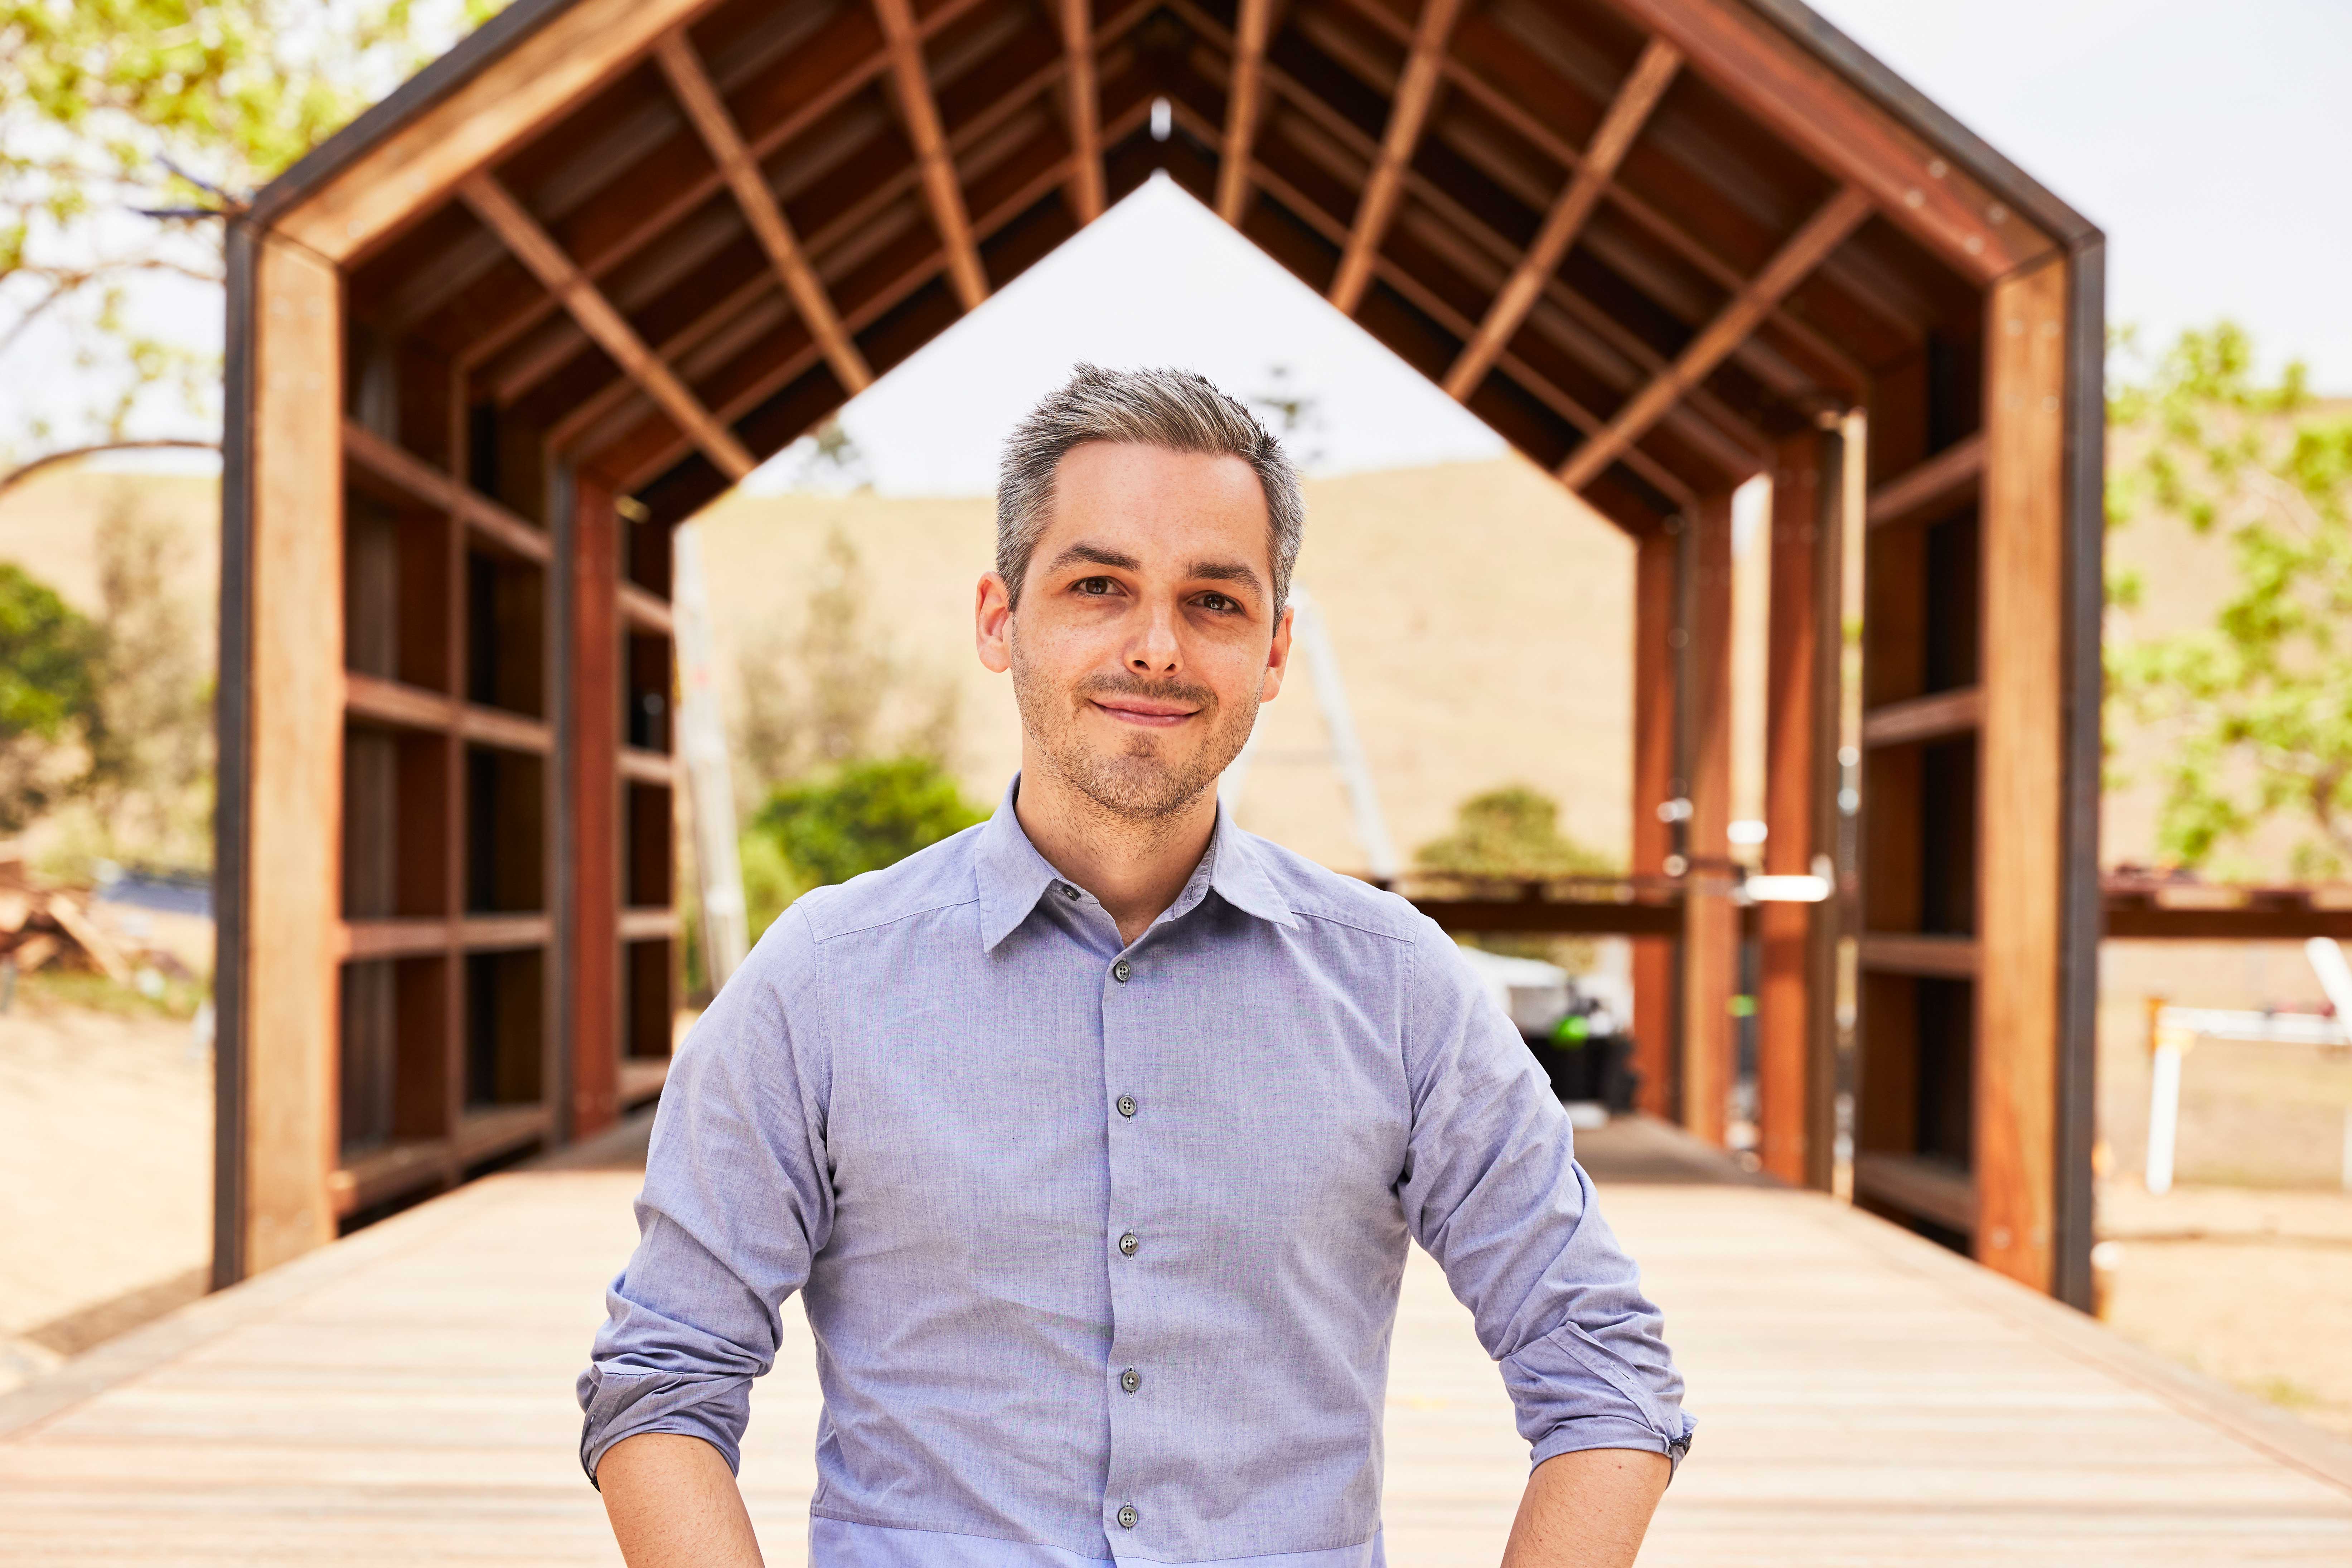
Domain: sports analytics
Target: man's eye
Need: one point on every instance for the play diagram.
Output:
(1218, 602)
(1096, 585)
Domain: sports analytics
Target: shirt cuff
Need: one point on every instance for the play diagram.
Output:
(620, 1404)
(1613, 1432)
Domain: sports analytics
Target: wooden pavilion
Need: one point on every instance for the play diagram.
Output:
(493, 341)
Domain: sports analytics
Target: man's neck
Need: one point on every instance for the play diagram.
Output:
(1136, 867)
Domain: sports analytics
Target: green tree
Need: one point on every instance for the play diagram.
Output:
(130, 129)
(858, 817)
(2254, 711)
(50, 669)
(1512, 831)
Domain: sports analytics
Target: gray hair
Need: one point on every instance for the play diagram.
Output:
(1172, 409)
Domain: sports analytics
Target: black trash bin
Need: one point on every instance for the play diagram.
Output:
(1586, 1066)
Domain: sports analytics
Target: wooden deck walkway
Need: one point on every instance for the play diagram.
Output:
(1864, 1398)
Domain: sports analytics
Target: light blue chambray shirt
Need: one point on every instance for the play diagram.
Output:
(1101, 1242)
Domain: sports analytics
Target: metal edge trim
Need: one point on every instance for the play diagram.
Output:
(233, 734)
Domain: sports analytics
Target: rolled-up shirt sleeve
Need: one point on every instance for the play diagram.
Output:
(737, 1201)
(1493, 1191)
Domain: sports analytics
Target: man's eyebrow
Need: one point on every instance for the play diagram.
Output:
(1225, 572)
(1095, 554)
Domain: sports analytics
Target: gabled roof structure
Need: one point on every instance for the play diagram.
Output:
(590, 268)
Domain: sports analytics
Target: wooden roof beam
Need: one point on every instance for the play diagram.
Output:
(1703, 418)
(1416, 90)
(942, 190)
(1244, 97)
(535, 250)
(1461, 75)
(1822, 233)
(1085, 94)
(699, 95)
(1533, 380)
(1643, 86)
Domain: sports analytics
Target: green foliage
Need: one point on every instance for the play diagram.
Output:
(2255, 710)
(50, 669)
(1513, 831)
(114, 110)
(858, 817)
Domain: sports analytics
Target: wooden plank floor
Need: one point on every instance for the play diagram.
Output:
(406, 1396)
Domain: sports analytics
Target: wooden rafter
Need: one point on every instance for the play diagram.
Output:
(1822, 233)
(1085, 94)
(1415, 91)
(1461, 75)
(775, 377)
(700, 96)
(1304, 208)
(1643, 86)
(941, 189)
(1244, 96)
(535, 250)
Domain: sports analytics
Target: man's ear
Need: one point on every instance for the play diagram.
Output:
(1278, 656)
(992, 622)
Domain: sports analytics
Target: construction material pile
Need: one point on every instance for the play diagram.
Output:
(41, 924)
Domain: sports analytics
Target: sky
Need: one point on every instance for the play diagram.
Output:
(2209, 141)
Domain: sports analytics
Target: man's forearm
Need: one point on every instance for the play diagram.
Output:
(674, 1504)
(1585, 1509)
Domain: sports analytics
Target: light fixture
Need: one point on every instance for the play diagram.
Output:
(1787, 890)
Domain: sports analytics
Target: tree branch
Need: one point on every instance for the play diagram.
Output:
(15, 477)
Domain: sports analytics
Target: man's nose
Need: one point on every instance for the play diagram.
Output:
(1154, 652)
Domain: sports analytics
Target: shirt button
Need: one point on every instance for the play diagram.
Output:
(1127, 1105)
(1130, 1379)
(1127, 1516)
(1069, 891)
(1129, 1243)
(1121, 970)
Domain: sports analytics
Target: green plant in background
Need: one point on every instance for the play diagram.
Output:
(2255, 710)
(51, 668)
(858, 817)
(1511, 831)
(127, 128)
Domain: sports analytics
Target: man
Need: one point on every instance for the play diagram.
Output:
(1093, 1137)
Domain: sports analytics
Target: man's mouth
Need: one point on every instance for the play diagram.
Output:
(1144, 713)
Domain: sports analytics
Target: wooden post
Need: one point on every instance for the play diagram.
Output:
(1710, 920)
(294, 787)
(2023, 784)
(1796, 1001)
(593, 582)
(1657, 1055)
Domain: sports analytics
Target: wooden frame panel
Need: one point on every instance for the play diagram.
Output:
(594, 829)
(1658, 1052)
(1797, 995)
(2024, 768)
(1710, 920)
(294, 688)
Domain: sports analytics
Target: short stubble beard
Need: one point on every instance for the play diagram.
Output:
(1140, 784)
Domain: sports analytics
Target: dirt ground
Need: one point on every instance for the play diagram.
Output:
(106, 1126)
(2251, 1286)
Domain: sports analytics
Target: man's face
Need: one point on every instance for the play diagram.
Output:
(1146, 636)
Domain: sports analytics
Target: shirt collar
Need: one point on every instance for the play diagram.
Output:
(1013, 876)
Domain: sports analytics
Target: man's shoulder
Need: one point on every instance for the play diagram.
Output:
(1315, 893)
(938, 877)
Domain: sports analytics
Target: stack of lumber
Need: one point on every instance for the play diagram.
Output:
(40, 924)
